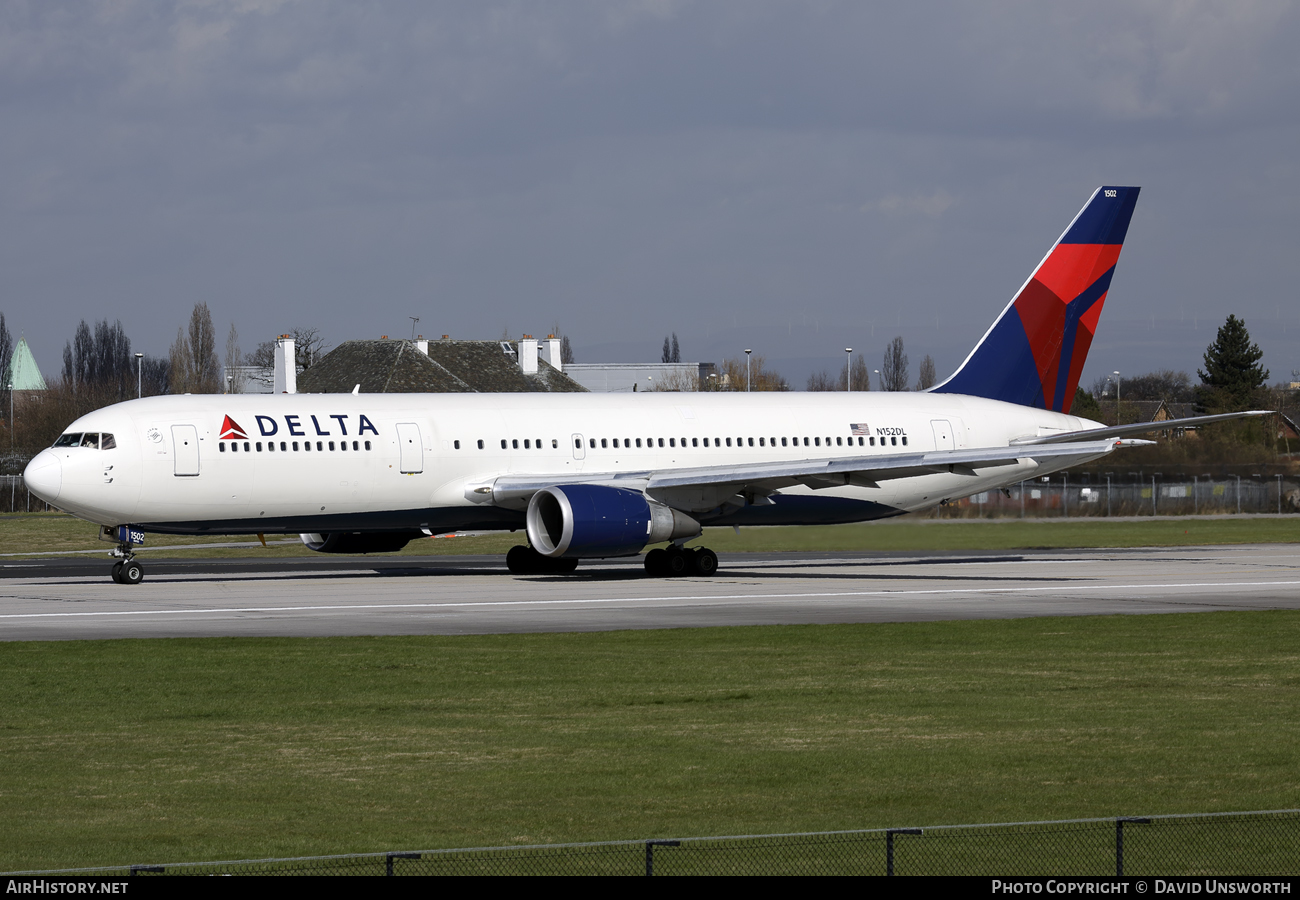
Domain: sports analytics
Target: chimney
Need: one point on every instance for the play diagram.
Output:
(286, 366)
(421, 344)
(528, 355)
(553, 353)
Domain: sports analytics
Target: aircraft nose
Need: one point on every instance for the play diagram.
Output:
(44, 476)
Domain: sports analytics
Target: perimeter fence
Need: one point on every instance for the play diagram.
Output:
(1246, 843)
(1064, 495)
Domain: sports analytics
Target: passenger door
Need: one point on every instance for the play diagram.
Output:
(185, 443)
(411, 448)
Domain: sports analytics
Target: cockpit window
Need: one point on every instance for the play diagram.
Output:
(92, 439)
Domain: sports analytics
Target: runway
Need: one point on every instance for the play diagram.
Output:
(313, 597)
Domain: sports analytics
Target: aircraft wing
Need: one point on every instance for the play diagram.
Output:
(1115, 431)
(865, 471)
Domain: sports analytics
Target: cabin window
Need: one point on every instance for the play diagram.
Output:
(555, 445)
(259, 446)
(762, 442)
(331, 446)
(817, 441)
(295, 446)
(627, 442)
(270, 446)
(320, 445)
(783, 442)
(538, 443)
(683, 442)
(69, 440)
(354, 445)
(367, 445)
(893, 441)
(480, 445)
(306, 446)
(904, 440)
(839, 442)
(528, 444)
(221, 446)
(514, 444)
(106, 442)
(695, 442)
(503, 443)
(672, 442)
(283, 446)
(234, 448)
(604, 443)
(871, 441)
(661, 442)
(455, 444)
(343, 445)
(728, 442)
(859, 442)
(592, 442)
(638, 442)
(91, 440)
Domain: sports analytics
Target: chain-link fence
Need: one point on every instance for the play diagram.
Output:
(1249, 843)
(1065, 495)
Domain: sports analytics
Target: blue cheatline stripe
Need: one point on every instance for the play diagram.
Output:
(1074, 310)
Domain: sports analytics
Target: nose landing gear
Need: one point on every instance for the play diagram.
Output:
(126, 570)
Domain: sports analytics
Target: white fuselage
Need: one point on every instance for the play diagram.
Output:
(429, 452)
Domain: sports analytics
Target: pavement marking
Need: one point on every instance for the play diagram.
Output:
(629, 600)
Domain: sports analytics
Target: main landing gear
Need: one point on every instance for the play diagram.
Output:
(126, 570)
(527, 561)
(674, 561)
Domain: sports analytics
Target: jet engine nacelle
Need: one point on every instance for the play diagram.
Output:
(593, 521)
(358, 541)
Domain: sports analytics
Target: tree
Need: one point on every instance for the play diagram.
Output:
(1232, 372)
(566, 351)
(6, 363)
(1085, 405)
(893, 371)
(672, 353)
(1163, 384)
(97, 365)
(927, 377)
(308, 348)
(761, 378)
(194, 365)
(820, 381)
(234, 377)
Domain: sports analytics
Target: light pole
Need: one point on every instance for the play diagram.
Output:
(1116, 374)
(848, 369)
(747, 352)
(11, 416)
(415, 320)
(139, 377)
(877, 371)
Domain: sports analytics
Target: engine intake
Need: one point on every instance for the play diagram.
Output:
(358, 541)
(593, 521)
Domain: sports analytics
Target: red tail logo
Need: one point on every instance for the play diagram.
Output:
(230, 431)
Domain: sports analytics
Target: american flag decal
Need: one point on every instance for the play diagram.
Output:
(860, 428)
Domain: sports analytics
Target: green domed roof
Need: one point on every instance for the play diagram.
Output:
(24, 374)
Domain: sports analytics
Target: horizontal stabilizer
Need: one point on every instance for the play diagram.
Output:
(1115, 431)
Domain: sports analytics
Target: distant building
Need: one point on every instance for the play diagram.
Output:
(628, 377)
(24, 374)
(445, 366)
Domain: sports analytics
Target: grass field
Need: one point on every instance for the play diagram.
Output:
(43, 533)
(168, 750)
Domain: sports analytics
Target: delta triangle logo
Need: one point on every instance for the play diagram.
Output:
(230, 431)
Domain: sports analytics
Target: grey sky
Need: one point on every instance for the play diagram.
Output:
(795, 177)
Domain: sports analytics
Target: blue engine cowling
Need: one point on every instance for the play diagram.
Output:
(594, 521)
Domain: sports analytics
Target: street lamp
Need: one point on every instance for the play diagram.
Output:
(848, 369)
(747, 352)
(139, 378)
(11, 416)
(1116, 374)
(877, 371)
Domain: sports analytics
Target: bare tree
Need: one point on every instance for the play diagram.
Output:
(234, 377)
(820, 381)
(97, 364)
(761, 378)
(6, 364)
(193, 358)
(893, 371)
(677, 351)
(566, 350)
(927, 377)
(861, 378)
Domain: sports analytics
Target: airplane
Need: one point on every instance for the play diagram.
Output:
(595, 476)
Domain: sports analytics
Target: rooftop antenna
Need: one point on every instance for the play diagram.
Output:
(415, 320)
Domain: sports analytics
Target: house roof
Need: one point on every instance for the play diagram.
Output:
(24, 374)
(398, 366)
